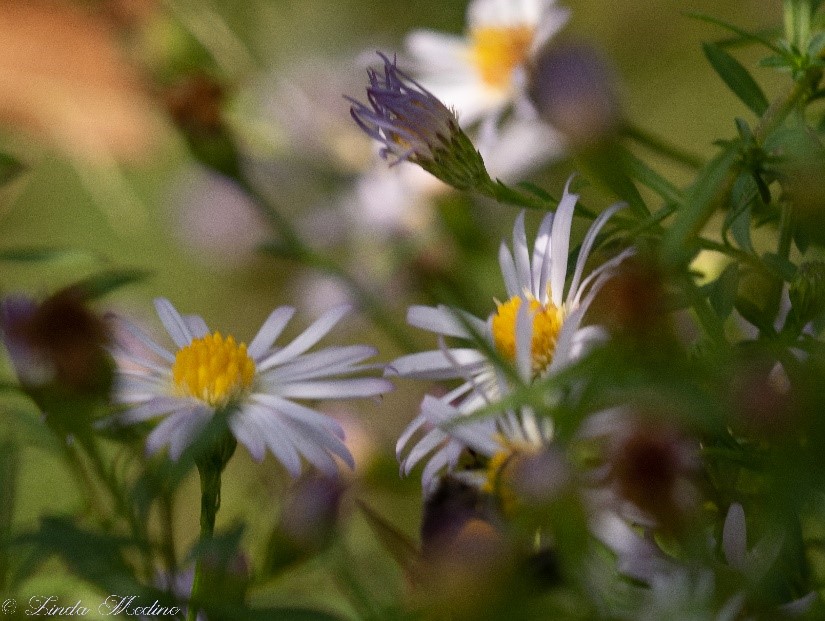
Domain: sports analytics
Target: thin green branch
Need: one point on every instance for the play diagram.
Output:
(662, 147)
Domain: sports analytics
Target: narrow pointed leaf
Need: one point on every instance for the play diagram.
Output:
(737, 78)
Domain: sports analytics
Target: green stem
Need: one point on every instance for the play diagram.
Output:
(210, 503)
(210, 468)
(783, 250)
(502, 193)
(662, 147)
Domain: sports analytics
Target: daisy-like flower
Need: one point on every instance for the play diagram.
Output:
(496, 438)
(482, 72)
(208, 372)
(538, 328)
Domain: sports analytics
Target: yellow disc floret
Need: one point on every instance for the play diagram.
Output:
(213, 369)
(497, 51)
(547, 321)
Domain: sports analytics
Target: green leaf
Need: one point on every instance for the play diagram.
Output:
(737, 78)
(286, 613)
(10, 168)
(610, 166)
(775, 62)
(538, 192)
(801, 239)
(395, 542)
(747, 36)
(699, 205)
(104, 283)
(816, 45)
(754, 315)
(9, 467)
(30, 254)
(780, 265)
(722, 295)
(94, 557)
(648, 177)
(740, 228)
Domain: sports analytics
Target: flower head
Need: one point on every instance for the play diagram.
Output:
(538, 328)
(485, 70)
(414, 125)
(259, 382)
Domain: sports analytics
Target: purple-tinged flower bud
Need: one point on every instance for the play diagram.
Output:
(573, 89)
(414, 125)
(59, 342)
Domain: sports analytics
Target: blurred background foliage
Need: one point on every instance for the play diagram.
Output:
(238, 62)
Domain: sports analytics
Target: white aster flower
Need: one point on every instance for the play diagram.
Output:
(483, 72)
(538, 328)
(209, 371)
(492, 437)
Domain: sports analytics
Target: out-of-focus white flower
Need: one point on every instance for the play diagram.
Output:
(688, 595)
(538, 328)
(485, 70)
(755, 563)
(264, 384)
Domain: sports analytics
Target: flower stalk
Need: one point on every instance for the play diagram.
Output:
(210, 468)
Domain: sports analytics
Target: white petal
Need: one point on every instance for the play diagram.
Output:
(144, 338)
(187, 431)
(436, 52)
(317, 445)
(436, 365)
(734, 538)
(446, 321)
(277, 438)
(308, 337)
(553, 21)
(300, 412)
(524, 340)
(587, 244)
(174, 428)
(541, 258)
(508, 271)
(439, 461)
(601, 275)
(564, 340)
(196, 325)
(522, 255)
(417, 423)
(248, 433)
(561, 244)
(128, 359)
(270, 330)
(325, 363)
(152, 408)
(354, 388)
(173, 322)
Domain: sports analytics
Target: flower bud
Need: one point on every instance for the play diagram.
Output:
(414, 125)
(653, 466)
(573, 89)
(59, 342)
(807, 292)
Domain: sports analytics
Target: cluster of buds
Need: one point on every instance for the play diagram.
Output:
(412, 124)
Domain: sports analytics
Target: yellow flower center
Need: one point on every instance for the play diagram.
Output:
(497, 51)
(547, 321)
(213, 369)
